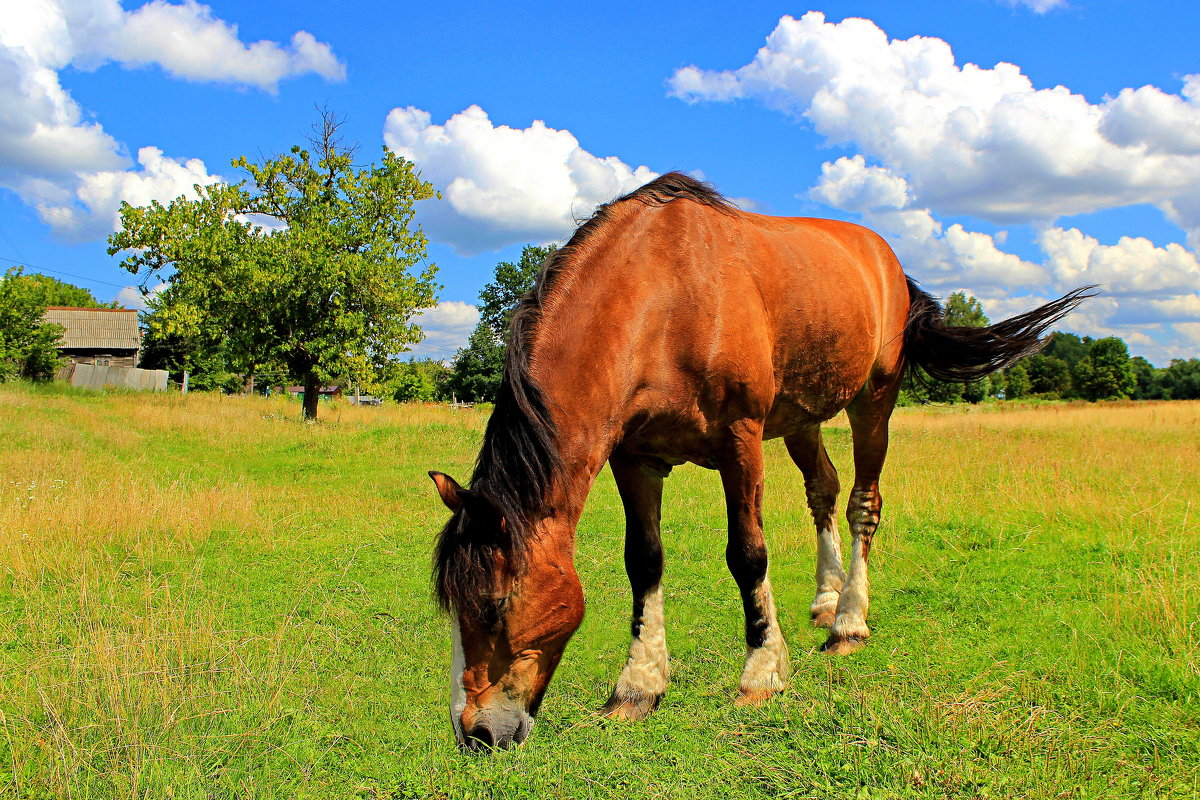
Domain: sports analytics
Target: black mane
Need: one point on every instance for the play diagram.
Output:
(519, 457)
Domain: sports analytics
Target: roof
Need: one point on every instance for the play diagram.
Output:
(96, 328)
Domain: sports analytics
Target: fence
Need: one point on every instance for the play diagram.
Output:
(88, 376)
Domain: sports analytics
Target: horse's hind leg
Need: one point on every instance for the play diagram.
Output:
(643, 681)
(869, 422)
(741, 469)
(821, 488)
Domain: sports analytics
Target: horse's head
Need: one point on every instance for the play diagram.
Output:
(514, 600)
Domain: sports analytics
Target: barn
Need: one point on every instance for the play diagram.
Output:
(103, 337)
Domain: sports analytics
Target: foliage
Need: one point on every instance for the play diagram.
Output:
(1181, 380)
(207, 362)
(421, 381)
(310, 264)
(965, 311)
(53, 292)
(28, 345)
(1105, 372)
(1016, 382)
(499, 298)
(1149, 386)
(479, 367)
(1048, 375)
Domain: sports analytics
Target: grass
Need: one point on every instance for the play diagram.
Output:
(204, 597)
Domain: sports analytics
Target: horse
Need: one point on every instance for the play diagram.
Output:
(673, 327)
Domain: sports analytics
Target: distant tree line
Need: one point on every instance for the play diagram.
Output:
(1070, 367)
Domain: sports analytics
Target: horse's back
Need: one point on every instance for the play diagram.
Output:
(685, 317)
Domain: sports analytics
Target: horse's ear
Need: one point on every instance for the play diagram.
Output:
(448, 488)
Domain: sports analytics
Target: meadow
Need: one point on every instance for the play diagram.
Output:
(205, 597)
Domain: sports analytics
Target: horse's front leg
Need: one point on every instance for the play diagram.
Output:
(767, 667)
(643, 681)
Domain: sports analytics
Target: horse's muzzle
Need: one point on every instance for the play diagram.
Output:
(497, 732)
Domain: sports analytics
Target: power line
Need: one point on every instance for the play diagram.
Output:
(61, 272)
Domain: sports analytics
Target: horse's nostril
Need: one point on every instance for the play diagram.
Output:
(480, 738)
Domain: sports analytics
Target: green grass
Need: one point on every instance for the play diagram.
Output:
(204, 597)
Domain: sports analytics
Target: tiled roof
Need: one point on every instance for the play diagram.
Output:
(96, 328)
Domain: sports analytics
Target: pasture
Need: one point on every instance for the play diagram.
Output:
(204, 597)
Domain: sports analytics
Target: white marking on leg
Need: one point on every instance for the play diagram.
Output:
(831, 576)
(851, 620)
(647, 670)
(458, 695)
(768, 666)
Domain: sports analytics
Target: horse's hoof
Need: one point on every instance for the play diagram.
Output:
(823, 619)
(843, 645)
(753, 697)
(630, 708)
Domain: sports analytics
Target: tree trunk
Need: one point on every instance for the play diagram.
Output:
(312, 394)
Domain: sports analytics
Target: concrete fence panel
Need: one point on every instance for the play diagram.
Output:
(89, 376)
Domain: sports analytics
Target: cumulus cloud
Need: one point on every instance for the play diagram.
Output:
(503, 185)
(447, 327)
(98, 196)
(969, 140)
(52, 155)
(941, 256)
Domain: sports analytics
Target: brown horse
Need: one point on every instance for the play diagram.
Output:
(673, 327)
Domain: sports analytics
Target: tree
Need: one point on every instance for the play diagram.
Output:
(28, 345)
(1149, 380)
(1181, 380)
(1105, 373)
(418, 381)
(313, 265)
(498, 299)
(961, 310)
(53, 292)
(479, 367)
(1047, 375)
(1017, 382)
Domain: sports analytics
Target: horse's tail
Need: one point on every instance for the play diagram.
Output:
(952, 353)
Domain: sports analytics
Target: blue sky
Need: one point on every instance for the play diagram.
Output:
(1013, 149)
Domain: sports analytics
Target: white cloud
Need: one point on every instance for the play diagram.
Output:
(968, 140)
(98, 195)
(447, 327)
(134, 297)
(1039, 6)
(940, 256)
(51, 154)
(503, 185)
(188, 42)
(1132, 267)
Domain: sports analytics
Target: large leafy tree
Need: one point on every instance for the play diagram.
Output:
(313, 263)
(1105, 373)
(53, 292)
(479, 367)
(28, 345)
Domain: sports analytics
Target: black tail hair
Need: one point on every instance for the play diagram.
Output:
(962, 354)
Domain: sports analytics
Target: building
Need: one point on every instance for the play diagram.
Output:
(103, 337)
